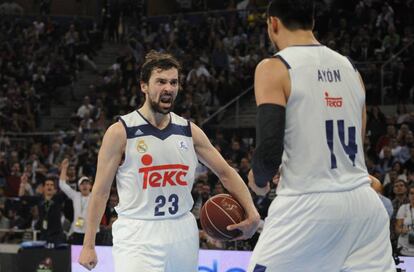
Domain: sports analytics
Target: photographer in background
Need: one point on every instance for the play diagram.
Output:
(405, 226)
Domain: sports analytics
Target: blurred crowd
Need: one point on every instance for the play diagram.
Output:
(219, 52)
(37, 57)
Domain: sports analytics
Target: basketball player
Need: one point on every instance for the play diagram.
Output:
(310, 122)
(155, 230)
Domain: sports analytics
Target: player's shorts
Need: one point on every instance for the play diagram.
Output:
(169, 245)
(325, 232)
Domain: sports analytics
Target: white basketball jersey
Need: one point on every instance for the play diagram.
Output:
(156, 177)
(323, 149)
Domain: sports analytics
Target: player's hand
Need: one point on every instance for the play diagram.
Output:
(88, 258)
(256, 189)
(276, 179)
(248, 227)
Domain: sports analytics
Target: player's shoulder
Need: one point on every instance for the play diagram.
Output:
(273, 67)
(131, 119)
(271, 63)
(116, 131)
(178, 120)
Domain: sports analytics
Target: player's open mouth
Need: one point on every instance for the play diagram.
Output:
(166, 99)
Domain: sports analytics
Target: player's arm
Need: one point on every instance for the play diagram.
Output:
(271, 86)
(231, 180)
(364, 112)
(110, 155)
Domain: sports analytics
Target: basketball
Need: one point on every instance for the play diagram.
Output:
(217, 213)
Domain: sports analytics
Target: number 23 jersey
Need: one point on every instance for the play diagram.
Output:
(156, 177)
(323, 149)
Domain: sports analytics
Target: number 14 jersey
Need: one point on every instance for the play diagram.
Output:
(323, 149)
(156, 177)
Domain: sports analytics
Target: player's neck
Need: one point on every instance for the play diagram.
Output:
(156, 119)
(298, 37)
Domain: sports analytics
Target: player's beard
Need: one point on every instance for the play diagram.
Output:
(157, 105)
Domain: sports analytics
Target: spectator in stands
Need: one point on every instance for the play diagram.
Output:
(15, 220)
(392, 40)
(25, 187)
(391, 178)
(72, 176)
(200, 193)
(219, 189)
(55, 155)
(385, 163)
(377, 186)
(400, 189)
(49, 205)
(80, 202)
(197, 72)
(395, 149)
(13, 180)
(4, 224)
(29, 222)
(2, 198)
(409, 164)
(405, 226)
(406, 142)
(398, 172)
(110, 212)
(244, 168)
(410, 178)
(86, 108)
(385, 139)
(236, 153)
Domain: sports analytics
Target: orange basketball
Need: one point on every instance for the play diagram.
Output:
(217, 213)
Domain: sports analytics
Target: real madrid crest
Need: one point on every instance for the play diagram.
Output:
(142, 146)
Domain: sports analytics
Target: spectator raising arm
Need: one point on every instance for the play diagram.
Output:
(25, 188)
(63, 178)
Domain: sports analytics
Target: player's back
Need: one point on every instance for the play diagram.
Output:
(323, 149)
(155, 180)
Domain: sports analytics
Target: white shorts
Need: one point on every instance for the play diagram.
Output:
(325, 232)
(169, 245)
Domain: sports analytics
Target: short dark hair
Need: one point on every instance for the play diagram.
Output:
(294, 14)
(157, 60)
(49, 179)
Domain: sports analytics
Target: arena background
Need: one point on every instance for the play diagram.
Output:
(68, 68)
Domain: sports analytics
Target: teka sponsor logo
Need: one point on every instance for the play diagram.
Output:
(162, 175)
(333, 102)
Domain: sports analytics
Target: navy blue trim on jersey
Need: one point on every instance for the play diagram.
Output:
(283, 60)
(259, 268)
(305, 45)
(149, 130)
(149, 123)
(123, 122)
(189, 128)
(352, 63)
